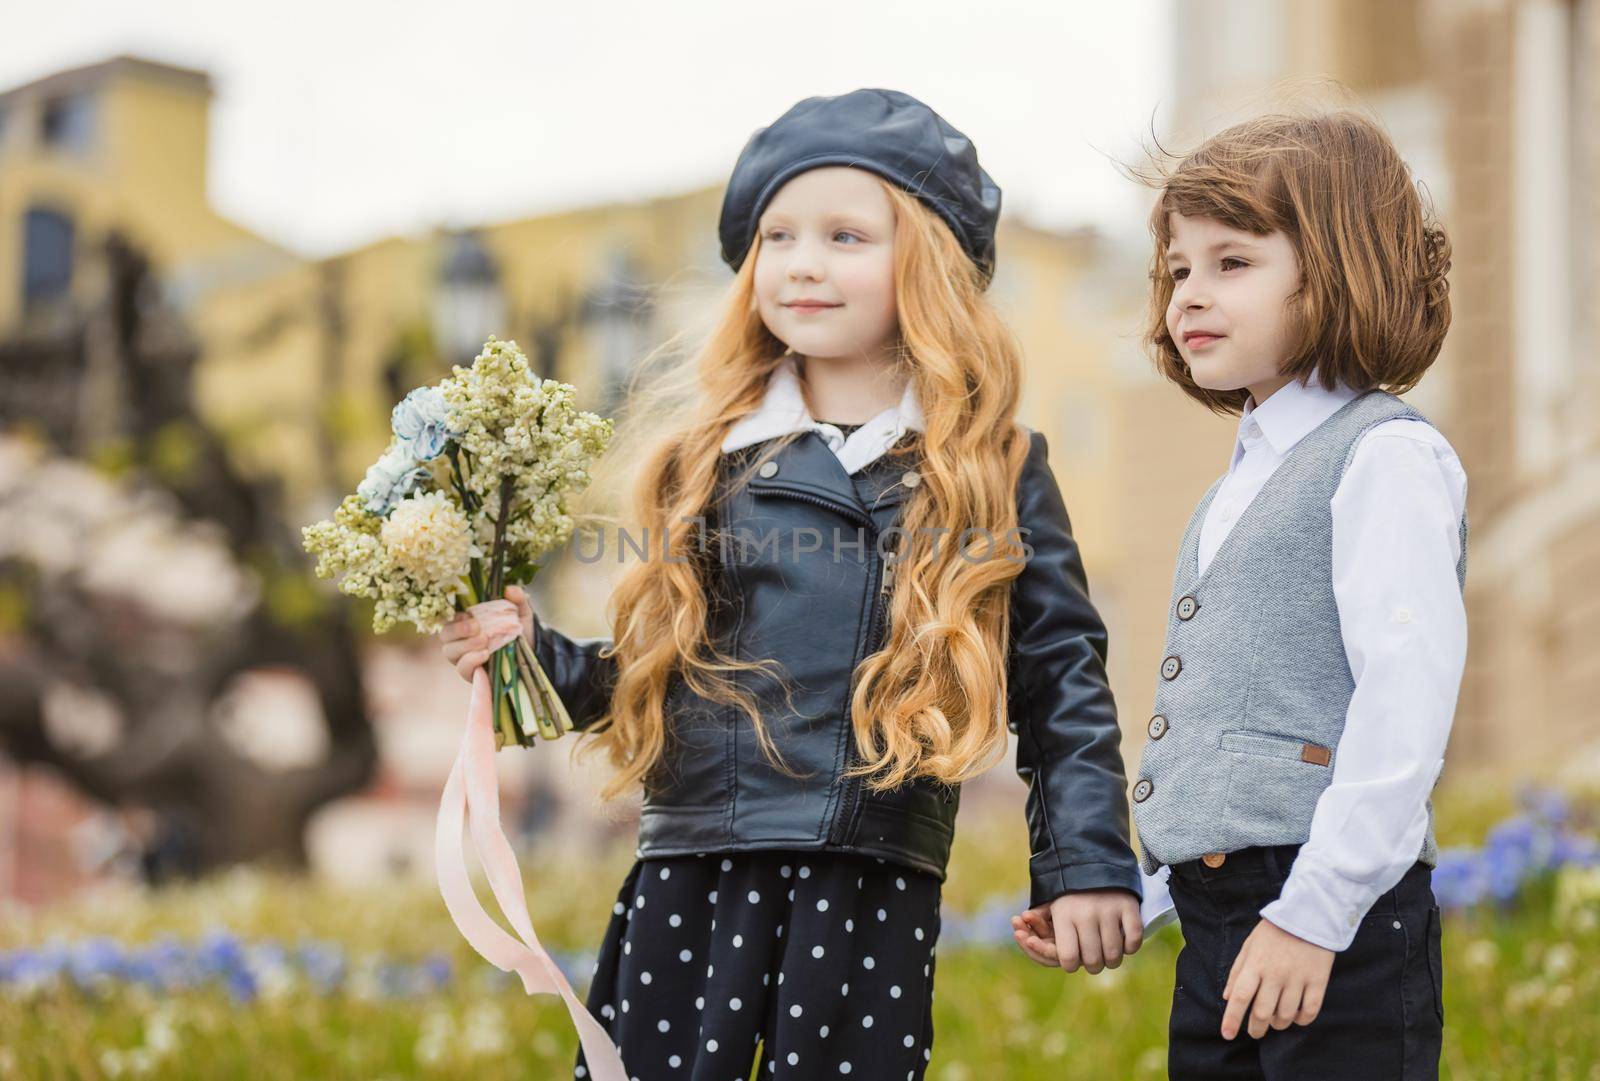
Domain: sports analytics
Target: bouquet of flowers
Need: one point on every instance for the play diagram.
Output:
(471, 492)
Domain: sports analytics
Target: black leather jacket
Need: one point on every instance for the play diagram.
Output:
(715, 791)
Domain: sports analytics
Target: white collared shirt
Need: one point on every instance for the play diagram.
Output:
(783, 410)
(1396, 541)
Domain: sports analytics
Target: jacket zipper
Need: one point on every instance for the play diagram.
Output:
(844, 821)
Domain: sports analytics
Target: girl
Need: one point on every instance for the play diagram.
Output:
(1317, 636)
(853, 611)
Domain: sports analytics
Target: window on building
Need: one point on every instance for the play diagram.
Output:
(67, 122)
(48, 237)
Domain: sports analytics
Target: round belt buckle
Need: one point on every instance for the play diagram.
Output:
(1213, 859)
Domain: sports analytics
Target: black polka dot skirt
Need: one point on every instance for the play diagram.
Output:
(796, 965)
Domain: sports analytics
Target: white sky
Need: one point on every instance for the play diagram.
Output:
(342, 121)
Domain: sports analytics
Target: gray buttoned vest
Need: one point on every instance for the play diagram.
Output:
(1255, 685)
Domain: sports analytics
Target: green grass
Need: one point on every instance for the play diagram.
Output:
(1519, 984)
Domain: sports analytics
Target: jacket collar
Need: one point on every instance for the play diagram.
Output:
(783, 410)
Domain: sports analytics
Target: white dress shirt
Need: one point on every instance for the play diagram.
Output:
(783, 410)
(1396, 541)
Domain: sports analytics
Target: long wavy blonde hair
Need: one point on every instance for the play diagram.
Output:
(931, 702)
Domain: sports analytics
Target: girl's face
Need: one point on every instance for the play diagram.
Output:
(824, 277)
(1229, 311)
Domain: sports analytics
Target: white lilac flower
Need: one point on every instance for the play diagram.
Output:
(421, 423)
(389, 479)
(428, 537)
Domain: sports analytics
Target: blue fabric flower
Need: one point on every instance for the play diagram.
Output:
(421, 423)
(390, 479)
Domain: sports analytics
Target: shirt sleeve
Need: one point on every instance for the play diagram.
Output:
(1156, 908)
(1396, 544)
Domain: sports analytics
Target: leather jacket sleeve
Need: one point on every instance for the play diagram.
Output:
(581, 676)
(1061, 708)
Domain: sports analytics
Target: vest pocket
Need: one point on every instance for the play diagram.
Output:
(1270, 747)
(1271, 786)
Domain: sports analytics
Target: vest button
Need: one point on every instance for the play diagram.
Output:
(1170, 668)
(1213, 859)
(1158, 726)
(768, 469)
(1187, 607)
(911, 478)
(1142, 790)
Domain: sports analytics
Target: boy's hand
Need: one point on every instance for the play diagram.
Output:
(1092, 929)
(1283, 974)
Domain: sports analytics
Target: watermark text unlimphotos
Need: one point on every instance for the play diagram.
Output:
(747, 546)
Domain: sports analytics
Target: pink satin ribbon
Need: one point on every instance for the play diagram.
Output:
(473, 793)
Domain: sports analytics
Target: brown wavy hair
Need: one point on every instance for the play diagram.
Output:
(931, 701)
(1373, 304)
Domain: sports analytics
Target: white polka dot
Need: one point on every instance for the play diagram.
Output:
(910, 1041)
(700, 1003)
(675, 920)
(816, 951)
(919, 934)
(822, 904)
(675, 1061)
(754, 897)
(711, 1045)
(734, 1004)
(882, 915)
(644, 978)
(859, 879)
(785, 871)
(607, 1012)
(780, 930)
(844, 1067)
(823, 1032)
(708, 972)
(766, 978)
(627, 947)
(927, 1053)
(791, 895)
(580, 1072)
(618, 908)
(868, 963)
(666, 873)
(712, 897)
(894, 992)
(685, 956)
(780, 979)
(638, 902)
(738, 940)
(795, 1010)
(727, 865)
(850, 926)
(866, 1022)
(793, 1059)
(624, 1005)
(899, 883)
(805, 872)
(663, 1025)
(845, 990)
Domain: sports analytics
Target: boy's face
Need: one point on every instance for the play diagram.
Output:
(1229, 311)
(824, 277)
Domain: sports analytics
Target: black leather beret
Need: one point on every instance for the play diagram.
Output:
(885, 131)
